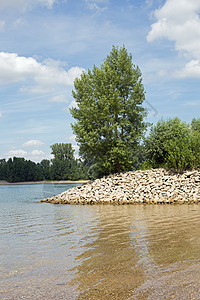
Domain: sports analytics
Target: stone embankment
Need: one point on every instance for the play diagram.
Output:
(149, 186)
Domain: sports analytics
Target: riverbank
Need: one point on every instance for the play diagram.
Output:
(2, 182)
(153, 186)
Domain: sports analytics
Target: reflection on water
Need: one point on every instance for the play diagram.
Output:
(109, 266)
(142, 252)
(98, 252)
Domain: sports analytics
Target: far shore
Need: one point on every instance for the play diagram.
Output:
(43, 182)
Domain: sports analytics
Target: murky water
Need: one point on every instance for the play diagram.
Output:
(96, 252)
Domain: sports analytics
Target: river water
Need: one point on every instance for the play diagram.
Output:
(96, 252)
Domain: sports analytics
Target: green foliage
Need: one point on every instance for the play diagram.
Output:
(110, 116)
(173, 144)
(46, 169)
(195, 125)
(138, 157)
(64, 165)
(3, 169)
(95, 171)
(19, 170)
(63, 152)
(195, 146)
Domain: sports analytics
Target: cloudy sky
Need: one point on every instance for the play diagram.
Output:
(45, 44)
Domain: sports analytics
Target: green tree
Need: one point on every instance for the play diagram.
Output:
(45, 165)
(195, 141)
(173, 144)
(18, 169)
(195, 146)
(195, 124)
(64, 164)
(63, 151)
(3, 171)
(110, 115)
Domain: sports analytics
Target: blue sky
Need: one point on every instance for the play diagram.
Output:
(45, 44)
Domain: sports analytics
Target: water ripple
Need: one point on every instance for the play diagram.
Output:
(96, 252)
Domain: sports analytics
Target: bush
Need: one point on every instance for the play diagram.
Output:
(173, 144)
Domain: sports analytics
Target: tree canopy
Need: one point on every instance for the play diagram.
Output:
(64, 164)
(109, 114)
(19, 169)
(173, 144)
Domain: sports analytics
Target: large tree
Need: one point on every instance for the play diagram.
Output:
(64, 164)
(109, 112)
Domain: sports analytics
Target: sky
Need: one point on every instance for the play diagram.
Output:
(46, 44)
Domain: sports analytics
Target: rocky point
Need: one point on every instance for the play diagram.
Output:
(150, 186)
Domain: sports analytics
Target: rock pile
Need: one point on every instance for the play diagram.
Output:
(149, 186)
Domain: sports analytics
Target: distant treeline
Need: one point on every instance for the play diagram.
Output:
(18, 169)
(63, 166)
(171, 144)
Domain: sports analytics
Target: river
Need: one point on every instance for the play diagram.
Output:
(96, 252)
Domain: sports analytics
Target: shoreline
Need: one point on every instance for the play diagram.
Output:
(155, 186)
(43, 182)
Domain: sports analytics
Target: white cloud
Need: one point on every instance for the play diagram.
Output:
(60, 98)
(0, 115)
(73, 104)
(48, 3)
(46, 76)
(37, 153)
(17, 153)
(33, 143)
(191, 69)
(76, 147)
(179, 21)
(72, 138)
(98, 5)
(149, 3)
